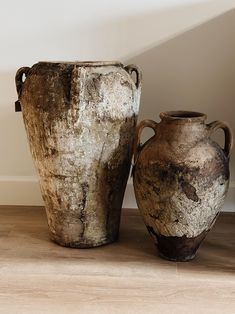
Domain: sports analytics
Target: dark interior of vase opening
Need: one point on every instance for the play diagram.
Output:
(185, 115)
(86, 63)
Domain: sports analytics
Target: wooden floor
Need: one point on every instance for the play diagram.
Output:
(38, 276)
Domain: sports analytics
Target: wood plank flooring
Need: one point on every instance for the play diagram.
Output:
(38, 276)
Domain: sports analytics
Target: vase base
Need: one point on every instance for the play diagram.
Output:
(178, 258)
(177, 249)
(82, 245)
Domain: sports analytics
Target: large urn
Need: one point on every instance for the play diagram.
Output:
(80, 119)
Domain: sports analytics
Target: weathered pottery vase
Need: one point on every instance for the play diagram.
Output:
(80, 119)
(181, 178)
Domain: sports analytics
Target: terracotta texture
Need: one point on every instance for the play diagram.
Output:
(80, 119)
(181, 178)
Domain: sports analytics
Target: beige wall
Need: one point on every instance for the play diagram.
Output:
(185, 48)
(193, 71)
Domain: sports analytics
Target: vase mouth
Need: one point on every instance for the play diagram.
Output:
(183, 115)
(85, 63)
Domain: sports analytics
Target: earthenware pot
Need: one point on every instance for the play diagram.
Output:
(80, 119)
(181, 178)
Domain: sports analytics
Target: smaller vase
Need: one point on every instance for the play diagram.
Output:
(181, 178)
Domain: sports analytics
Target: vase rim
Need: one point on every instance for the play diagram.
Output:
(183, 115)
(86, 63)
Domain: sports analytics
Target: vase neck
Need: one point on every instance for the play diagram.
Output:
(182, 127)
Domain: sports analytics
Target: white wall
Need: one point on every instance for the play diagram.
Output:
(185, 48)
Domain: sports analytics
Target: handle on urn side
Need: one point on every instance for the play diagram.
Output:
(19, 84)
(133, 68)
(137, 146)
(228, 145)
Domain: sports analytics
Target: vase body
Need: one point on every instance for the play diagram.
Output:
(80, 119)
(181, 179)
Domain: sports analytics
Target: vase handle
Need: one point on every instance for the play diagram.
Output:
(228, 145)
(133, 68)
(19, 84)
(137, 146)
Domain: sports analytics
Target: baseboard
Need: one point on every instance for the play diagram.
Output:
(20, 190)
(25, 191)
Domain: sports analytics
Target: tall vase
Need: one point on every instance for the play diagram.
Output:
(80, 119)
(181, 178)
